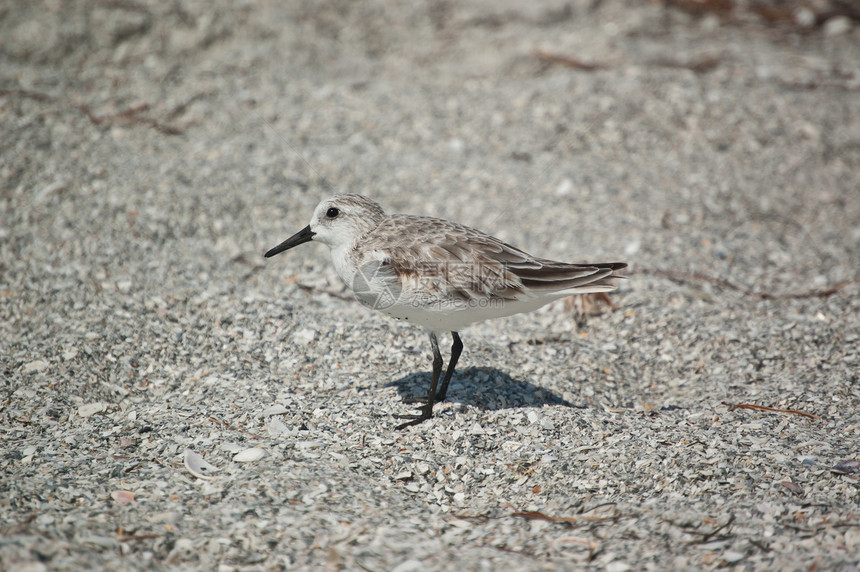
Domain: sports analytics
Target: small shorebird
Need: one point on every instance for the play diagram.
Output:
(438, 274)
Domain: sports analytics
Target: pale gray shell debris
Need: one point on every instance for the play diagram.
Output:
(276, 409)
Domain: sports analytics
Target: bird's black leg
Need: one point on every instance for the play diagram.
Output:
(456, 348)
(427, 408)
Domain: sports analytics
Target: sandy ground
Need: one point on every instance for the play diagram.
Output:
(150, 152)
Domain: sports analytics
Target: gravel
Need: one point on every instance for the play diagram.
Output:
(172, 400)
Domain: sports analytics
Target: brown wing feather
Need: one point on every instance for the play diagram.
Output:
(467, 263)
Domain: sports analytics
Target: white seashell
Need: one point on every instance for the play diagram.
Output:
(198, 466)
(249, 455)
(37, 365)
(122, 497)
(91, 409)
(276, 409)
(304, 336)
(308, 444)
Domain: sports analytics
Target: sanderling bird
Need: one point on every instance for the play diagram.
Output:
(438, 274)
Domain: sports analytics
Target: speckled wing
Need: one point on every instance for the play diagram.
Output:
(444, 260)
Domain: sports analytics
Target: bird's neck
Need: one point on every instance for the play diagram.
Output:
(344, 263)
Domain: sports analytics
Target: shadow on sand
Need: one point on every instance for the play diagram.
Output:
(482, 387)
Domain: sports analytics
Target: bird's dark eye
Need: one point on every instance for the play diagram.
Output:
(332, 212)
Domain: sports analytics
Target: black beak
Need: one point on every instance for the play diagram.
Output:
(304, 235)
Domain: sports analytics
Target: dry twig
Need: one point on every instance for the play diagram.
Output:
(128, 115)
(568, 520)
(229, 426)
(309, 288)
(132, 537)
(703, 65)
(723, 283)
(706, 536)
(18, 527)
(568, 61)
(766, 408)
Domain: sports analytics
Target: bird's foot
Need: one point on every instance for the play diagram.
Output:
(426, 413)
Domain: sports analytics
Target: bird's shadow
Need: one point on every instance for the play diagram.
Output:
(482, 387)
